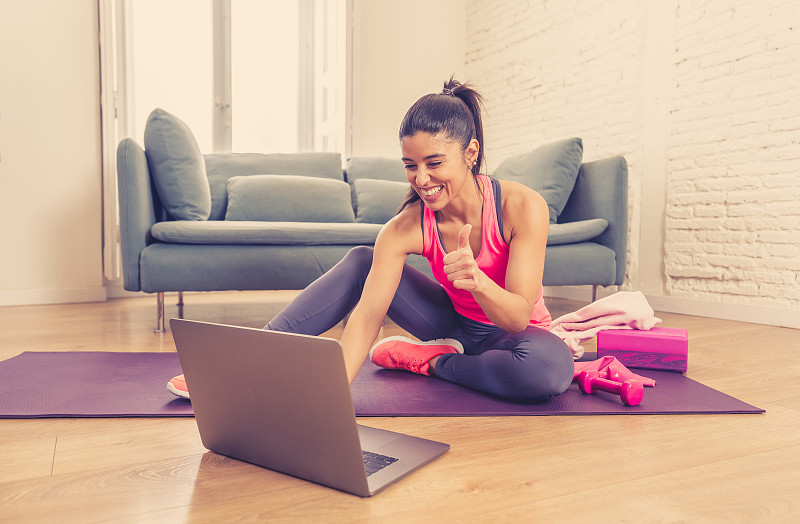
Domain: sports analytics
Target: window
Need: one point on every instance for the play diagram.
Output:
(245, 75)
(265, 76)
(170, 64)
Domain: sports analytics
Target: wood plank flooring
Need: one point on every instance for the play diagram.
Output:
(693, 468)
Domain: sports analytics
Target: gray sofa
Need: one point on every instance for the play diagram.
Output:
(279, 221)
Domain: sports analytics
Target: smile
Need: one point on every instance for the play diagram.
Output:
(431, 192)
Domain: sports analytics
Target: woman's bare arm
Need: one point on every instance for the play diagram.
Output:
(400, 236)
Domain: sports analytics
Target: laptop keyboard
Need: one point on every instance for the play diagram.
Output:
(374, 462)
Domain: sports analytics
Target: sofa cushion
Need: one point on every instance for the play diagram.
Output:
(377, 201)
(177, 167)
(373, 168)
(550, 169)
(288, 198)
(222, 166)
(579, 264)
(380, 168)
(574, 232)
(264, 233)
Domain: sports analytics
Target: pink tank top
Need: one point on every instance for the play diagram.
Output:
(492, 258)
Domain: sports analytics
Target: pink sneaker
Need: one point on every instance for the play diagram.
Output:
(411, 355)
(177, 386)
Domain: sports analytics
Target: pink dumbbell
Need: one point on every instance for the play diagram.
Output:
(630, 391)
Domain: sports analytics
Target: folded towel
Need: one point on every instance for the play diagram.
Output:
(622, 310)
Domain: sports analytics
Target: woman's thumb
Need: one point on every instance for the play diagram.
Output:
(463, 236)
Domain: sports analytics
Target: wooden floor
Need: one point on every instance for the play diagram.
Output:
(696, 468)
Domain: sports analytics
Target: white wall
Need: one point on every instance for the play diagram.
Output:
(402, 51)
(49, 152)
(551, 71)
(733, 153)
(50, 183)
(701, 99)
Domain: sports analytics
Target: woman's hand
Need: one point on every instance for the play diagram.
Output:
(526, 220)
(460, 266)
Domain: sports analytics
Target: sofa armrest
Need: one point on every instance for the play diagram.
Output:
(137, 209)
(601, 191)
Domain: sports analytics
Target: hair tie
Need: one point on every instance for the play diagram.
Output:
(447, 91)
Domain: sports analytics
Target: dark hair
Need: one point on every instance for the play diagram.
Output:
(454, 113)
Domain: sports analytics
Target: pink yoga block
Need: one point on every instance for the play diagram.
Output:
(658, 348)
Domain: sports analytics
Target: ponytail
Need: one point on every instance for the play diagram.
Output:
(455, 113)
(474, 102)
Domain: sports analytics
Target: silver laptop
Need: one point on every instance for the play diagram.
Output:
(282, 401)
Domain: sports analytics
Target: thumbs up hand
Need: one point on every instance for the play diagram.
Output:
(463, 237)
(460, 266)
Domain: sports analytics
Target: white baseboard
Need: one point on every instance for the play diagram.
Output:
(753, 313)
(115, 290)
(30, 297)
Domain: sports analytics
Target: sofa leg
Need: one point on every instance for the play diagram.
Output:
(594, 292)
(159, 313)
(180, 304)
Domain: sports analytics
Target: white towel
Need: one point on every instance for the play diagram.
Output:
(622, 310)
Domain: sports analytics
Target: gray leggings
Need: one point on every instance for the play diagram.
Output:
(532, 365)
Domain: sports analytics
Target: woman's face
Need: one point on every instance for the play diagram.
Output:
(437, 168)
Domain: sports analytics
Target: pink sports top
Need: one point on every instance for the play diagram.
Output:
(492, 258)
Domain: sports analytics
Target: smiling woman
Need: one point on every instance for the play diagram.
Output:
(483, 322)
(435, 163)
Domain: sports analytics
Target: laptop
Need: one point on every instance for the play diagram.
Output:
(282, 401)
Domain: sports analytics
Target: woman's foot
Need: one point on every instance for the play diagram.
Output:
(177, 386)
(412, 355)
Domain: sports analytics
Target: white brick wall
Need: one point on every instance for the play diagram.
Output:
(730, 114)
(547, 74)
(733, 205)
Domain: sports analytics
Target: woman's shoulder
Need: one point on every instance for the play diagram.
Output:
(523, 209)
(515, 194)
(409, 217)
(404, 229)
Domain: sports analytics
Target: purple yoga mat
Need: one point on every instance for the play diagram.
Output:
(379, 392)
(103, 384)
(90, 384)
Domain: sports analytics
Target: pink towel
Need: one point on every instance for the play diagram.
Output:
(602, 366)
(622, 310)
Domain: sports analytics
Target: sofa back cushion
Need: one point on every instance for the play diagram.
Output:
(177, 167)
(373, 168)
(380, 168)
(288, 198)
(222, 166)
(376, 201)
(550, 169)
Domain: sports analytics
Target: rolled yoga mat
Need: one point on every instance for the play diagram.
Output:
(109, 384)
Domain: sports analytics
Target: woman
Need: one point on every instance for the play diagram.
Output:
(484, 321)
